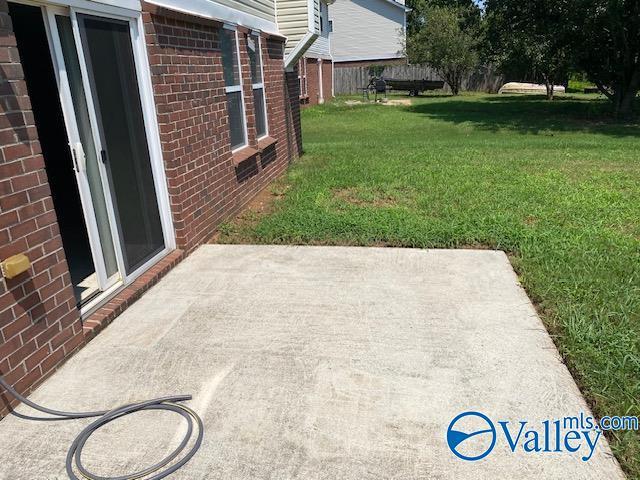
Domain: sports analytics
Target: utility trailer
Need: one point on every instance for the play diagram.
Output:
(414, 87)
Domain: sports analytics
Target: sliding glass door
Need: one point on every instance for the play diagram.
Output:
(114, 87)
(108, 125)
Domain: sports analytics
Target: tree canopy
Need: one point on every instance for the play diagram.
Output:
(446, 42)
(606, 40)
(541, 40)
(552, 37)
(416, 18)
(529, 39)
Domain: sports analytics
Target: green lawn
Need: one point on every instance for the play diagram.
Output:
(556, 185)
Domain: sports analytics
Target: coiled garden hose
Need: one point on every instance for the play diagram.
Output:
(154, 472)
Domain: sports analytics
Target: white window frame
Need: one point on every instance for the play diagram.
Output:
(260, 85)
(237, 88)
(303, 76)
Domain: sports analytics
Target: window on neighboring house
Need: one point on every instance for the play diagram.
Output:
(233, 87)
(254, 49)
(302, 76)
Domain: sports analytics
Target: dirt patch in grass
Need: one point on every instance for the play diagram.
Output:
(245, 221)
(403, 102)
(396, 102)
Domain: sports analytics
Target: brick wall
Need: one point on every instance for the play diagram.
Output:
(313, 89)
(294, 124)
(327, 79)
(207, 183)
(39, 322)
(313, 80)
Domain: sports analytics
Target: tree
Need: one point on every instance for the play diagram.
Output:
(606, 41)
(530, 38)
(550, 37)
(443, 43)
(417, 15)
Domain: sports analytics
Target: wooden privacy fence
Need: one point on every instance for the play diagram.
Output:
(350, 80)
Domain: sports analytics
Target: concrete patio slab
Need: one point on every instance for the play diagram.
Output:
(318, 363)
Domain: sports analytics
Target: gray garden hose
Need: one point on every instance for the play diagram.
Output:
(154, 472)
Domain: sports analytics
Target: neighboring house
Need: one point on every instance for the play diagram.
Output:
(367, 32)
(129, 130)
(315, 66)
(315, 69)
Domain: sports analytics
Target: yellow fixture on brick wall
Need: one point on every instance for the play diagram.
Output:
(15, 265)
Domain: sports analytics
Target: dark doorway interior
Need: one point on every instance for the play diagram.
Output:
(31, 36)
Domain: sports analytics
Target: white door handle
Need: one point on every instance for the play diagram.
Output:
(79, 159)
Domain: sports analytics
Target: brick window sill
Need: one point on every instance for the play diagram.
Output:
(265, 143)
(243, 155)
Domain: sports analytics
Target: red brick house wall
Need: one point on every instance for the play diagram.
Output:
(313, 91)
(40, 325)
(294, 124)
(313, 80)
(206, 183)
(327, 79)
(39, 322)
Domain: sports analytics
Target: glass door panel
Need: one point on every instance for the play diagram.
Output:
(85, 153)
(109, 58)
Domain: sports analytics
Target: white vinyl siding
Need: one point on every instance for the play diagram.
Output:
(320, 49)
(293, 21)
(366, 30)
(316, 16)
(321, 46)
(260, 8)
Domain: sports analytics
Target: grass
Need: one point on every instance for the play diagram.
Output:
(555, 184)
(578, 86)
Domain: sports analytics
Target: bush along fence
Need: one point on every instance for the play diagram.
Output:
(351, 80)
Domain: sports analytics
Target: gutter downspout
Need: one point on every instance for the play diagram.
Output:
(295, 55)
(321, 81)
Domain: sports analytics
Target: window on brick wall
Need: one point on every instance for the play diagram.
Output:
(233, 86)
(302, 77)
(254, 49)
